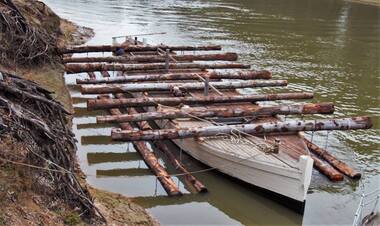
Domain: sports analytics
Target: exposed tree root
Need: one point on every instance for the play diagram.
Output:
(22, 42)
(29, 114)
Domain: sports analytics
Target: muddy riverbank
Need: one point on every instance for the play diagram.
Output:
(23, 202)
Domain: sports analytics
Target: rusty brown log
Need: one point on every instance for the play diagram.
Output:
(79, 68)
(243, 75)
(254, 129)
(149, 158)
(172, 101)
(152, 58)
(135, 48)
(141, 87)
(228, 111)
(339, 165)
(327, 170)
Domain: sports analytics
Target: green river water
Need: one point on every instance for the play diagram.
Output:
(330, 47)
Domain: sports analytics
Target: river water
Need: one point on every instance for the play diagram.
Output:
(330, 47)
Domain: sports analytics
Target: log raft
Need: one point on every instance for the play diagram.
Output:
(243, 75)
(254, 129)
(152, 70)
(79, 68)
(231, 111)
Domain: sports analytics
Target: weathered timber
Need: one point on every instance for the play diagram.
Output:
(135, 48)
(79, 68)
(228, 111)
(258, 128)
(152, 58)
(243, 75)
(339, 165)
(141, 87)
(172, 101)
(149, 158)
(327, 170)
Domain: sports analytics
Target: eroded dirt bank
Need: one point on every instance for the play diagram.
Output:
(40, 181)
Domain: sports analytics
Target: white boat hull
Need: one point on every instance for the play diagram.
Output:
(291, 181)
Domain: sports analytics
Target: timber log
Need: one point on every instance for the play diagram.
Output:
(79, 68)
(339, 165)
(142, 87)
(172, 101)
(230, 111)
(243, 75)
(254, 129)
(135, 48)
(152, 58)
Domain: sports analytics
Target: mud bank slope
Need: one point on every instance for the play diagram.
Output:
(29, 176)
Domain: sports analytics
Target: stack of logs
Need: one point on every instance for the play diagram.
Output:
(144, 69)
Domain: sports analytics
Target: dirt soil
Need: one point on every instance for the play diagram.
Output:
(22, 202)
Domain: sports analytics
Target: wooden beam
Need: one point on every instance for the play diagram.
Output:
(243, 75)
(135, 48)
(142, 87)
(254, 129)
(79, 68)
(173, 101)
(230, 111)
(152, 58)
(339, 165)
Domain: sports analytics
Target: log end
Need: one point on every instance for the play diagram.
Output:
(231, 56)
(264, 74)
(355, 175)
(336, 177)
(320, 108)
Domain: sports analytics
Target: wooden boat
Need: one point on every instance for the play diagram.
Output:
(272, 156)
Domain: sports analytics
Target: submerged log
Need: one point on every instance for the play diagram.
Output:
(79, 68)
(339, 165)
(152, 58)
(135, 48)
(231, 111)
(327, 170)
(244, 75)
(258, 128)
(172, 101)
(141, 87)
